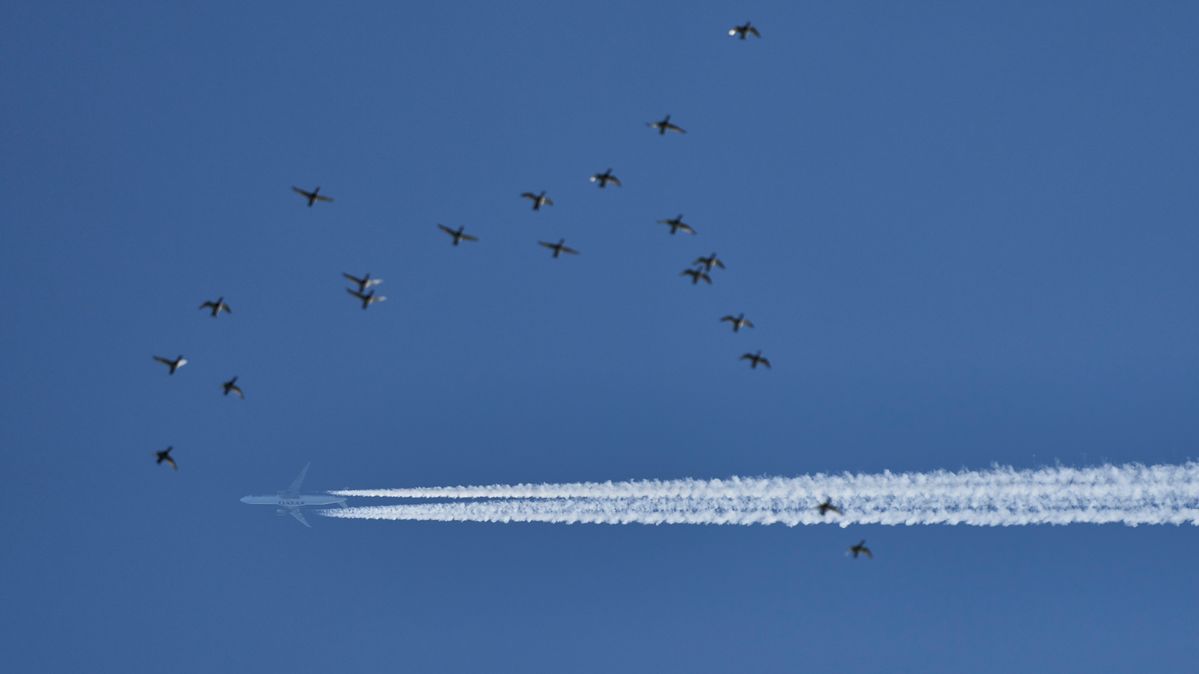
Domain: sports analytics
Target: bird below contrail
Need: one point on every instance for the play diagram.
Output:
(1130, 494)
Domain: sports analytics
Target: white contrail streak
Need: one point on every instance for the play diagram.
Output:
(1129, 494)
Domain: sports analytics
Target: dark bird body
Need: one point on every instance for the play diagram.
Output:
(827, 507)
(313, 196)
(539, 200)
(232, 387)
(602, 179)
(739, 321)
(217, 307)
(861, 549)
(459, 234)
(755, 359)
(745, 30)
(559, 247)
(172, 365)
(665, 125)
(165, 457)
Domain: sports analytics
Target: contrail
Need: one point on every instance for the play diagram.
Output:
(1129, 494)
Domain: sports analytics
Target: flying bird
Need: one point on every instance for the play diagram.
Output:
(313, 196)
(739, 321)
(165, 455)
(217, 307)
(860, 549)
(559, 247)
(367, 298)
(539, 200)
(666, 125)
(172, 364)
(697, 275)
(755, 359)
(364, 282)
(602, 179)
(827, 507)
(709, 262)
(458, 234)
(677, 225)
(232, 387)
(744, 31)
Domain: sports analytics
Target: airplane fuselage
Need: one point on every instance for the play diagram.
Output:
(299, 501)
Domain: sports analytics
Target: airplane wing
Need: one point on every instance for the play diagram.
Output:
(294, 488)
(295, 512)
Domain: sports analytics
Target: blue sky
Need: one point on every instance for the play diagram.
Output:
(965, 232)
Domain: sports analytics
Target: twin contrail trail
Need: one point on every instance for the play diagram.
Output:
(1130, 494)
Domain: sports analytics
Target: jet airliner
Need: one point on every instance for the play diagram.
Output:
(290, 500)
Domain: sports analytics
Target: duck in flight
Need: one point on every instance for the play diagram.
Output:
(665, 125)
(755, 359)
(602, 179)
(708, 262)
(364, 282)
(172, 364)
(861, 549)
(367, 298)
(697, 275)
(739, 321)
(232, 387)
(459, 234)
(828, 507)
(744, 31)
(559, 247)
(677, 225)
(539, 200)
(313, 196)
(165, 456)
(217, 307)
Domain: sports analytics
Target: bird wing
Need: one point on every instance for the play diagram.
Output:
(226, 308)
(670, 126)
(355, 279)
(355, 293)
(548, 245)
(718, 262)
(164, 361)
(614, 180)
(445, 229)
(686, 228)
(765, 362)
(468, 237)
(237, 389)
(755, 31)
(866, 551)
(208, 305)
(747, 356)
(305, 193)
(528, 195)
(321, 197)
(748, 323)
(706, 278)
(728, 319)
(171, 461)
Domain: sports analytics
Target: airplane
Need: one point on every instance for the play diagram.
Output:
(459, 234)
(216, 307)
(313, 196)
(539, 200)
(665, 125)
(602, 179)
(290, 500)
(744, 30)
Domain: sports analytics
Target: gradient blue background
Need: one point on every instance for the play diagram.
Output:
(966, 231)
